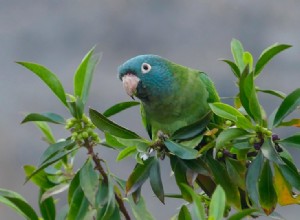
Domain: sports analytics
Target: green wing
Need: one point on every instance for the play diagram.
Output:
(146, 122)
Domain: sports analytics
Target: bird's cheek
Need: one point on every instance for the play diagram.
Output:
(130, 83)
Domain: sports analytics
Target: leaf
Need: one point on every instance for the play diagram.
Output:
(292, 141)
(141, 145)
(267, 193)
(234, 68)
(194, 129)
(47, 116)
(139, 175)
(237, 51)
(237, 172)
(18, 203)
(221, 177)
(40, 179)
(89, 181)
(180, 150)
(54, 190)
(242, 214)
(283, 189)
(197, 165)
(290, 173)
(252, 178)
(155, 181)
(76, 108)
(289, 104)
(110, 207)
(192, 143)
(217, 204)
(126, 152)
(47, 207)
(268, 150)
(273, 92)
(75, 182)
(106, 125)
(267, 55)
(229, 135)
(46, 131)
(84, 74)
(79, 205)
(293, 122)
(49, 78)
(184, 213)
(248, 60)
(119, 107)
(140, 210)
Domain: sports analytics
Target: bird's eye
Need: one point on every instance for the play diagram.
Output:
(146, 67)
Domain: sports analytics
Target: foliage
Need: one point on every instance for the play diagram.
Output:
(239, 164)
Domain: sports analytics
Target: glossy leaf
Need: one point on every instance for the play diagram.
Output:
(126, 152)
(290, 173)
(292, 141)
(248, 60)
(217, 204)
(288, 105)
(79, 205)
(242, 214)
(252, 178)
(110, 207)
(76, 108)
(237, 172)
(234, 68)
(115, 109)
(268, 150)
(267, 55)
(197, 165)
(47, 207)
(184, 213)
(18, 203)
(84, 74)
(46, 131)
(267, 193)
(293, 122)
(47, 116)
(106, 125)
(229, 135)
(276, 93)
(140, 144)
(140, 210)
(237, 51)
(155, 181)
(40, 179)
(139, 175)
(180, 150)
(54, 190)
(89, 181)
(75, 183)
(49, 78)
(283, 189)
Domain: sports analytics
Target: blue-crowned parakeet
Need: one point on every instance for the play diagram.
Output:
(172, 96)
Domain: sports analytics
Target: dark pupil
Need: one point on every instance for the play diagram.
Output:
(145, 67)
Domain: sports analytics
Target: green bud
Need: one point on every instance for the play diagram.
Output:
(228, 122)
(220, 154)
(85, 134)
(252, 140)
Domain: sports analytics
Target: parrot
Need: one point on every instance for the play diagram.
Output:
(172, 96)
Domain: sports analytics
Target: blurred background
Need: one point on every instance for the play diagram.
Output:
(194, 33)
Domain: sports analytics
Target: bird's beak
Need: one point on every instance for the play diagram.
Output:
(130, 83)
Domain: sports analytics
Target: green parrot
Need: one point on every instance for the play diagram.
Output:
(172, 96)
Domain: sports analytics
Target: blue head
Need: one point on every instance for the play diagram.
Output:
(147, 77)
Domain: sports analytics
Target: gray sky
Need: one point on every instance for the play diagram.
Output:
(194, 33)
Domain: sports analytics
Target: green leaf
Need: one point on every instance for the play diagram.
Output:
(40, 179)
(110, 207)
(234, 68)
(268, 150)
(76, 108)
(18, 203)
(194, 129)
(184, 213)
(273, 92)
(228, 112)
(267, 193)
(119, 107)
(290, 173)
(89, 181)
(139, 175)
(84, 74)
(155, 181)
(79, 205)
(267, 55)
(252, 178)
(54, 190)
(217, 204)
(237, 51)
(242, 214)
(180, 150)
(293, 122)
(106, 125)
(197, 166)
(221, 177)
(49, 78)
(237, 172)
(126, 152)
(248, 60)
(292, 141)
(47, 207)
(229, 135)
(46, 131)
(288, 105)
(75, 183)
(140, 144)
(140, 210)
(47, 116)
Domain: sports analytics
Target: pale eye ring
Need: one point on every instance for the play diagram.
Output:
(146, 67)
